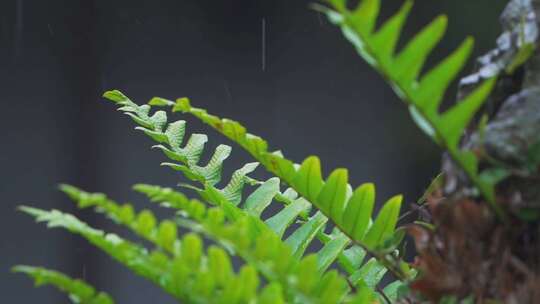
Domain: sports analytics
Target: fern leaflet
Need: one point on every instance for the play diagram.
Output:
(79, 292)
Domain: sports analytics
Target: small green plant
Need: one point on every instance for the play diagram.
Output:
(276, 267)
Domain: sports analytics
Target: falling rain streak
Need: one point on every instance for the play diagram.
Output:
(263, 49)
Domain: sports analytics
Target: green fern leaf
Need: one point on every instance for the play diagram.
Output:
(284, 218)
(230, 197)
(132, 256)
(424, 93)
(370, 274)
(358, 213)
(79, 292)
(350, 214)
(301, 238)
(191, 275)
(331, 251)
(385, 224)
(262, 197)
(333, 194)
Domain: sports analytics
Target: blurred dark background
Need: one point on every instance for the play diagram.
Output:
(309, 94)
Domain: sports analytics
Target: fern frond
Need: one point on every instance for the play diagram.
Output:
(367, 274)
(152, 266)
(333, 244)
(351, 211)
(79, 292)
(144, 224)
(296, 209)
(191, 276)
(422, 93)
(245, 237)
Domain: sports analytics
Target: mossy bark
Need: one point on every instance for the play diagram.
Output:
(470, 254)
